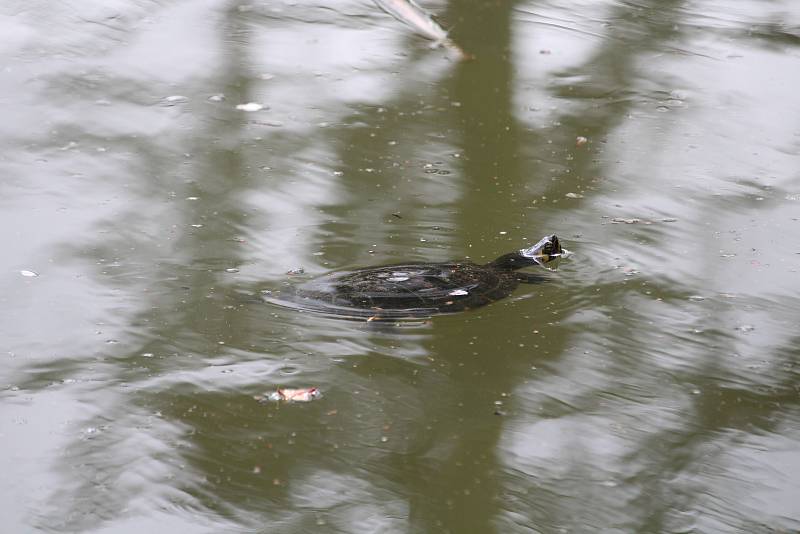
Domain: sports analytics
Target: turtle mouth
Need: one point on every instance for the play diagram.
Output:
(547, 249)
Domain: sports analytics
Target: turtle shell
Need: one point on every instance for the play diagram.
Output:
(403, 290)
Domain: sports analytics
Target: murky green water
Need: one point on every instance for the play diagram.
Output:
(650, 386)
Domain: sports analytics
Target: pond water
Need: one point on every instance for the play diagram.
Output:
(650, 385)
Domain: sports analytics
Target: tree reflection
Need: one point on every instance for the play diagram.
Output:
(417, 426)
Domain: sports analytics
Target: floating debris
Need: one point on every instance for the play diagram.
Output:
(290, 395)
(458, 292)
(232, 270)
(29, 274)
(250, 106)
(581, 140)
(216, 98)
(573, 195)
(299, 270)
(174, 100)
(618, 220)
(409, 13)
(745, 328)
(697, 298)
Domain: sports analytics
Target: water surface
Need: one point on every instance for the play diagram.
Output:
(651, 385)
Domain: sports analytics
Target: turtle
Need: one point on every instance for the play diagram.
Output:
(418, 290)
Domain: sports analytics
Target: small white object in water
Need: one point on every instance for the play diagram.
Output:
(216, 98)
(292, 395)
(458, 292)
(250, 106)
(28, 273)
(397, 278)
(573, 195)
(173, 100)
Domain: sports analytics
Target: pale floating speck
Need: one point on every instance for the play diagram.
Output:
(745, 328)
(458, 292)
(697, 298)
(581, 140)
(298, 270)
(669, 219)
(232, 270)
(174, 100)
(503, 232)
(29, 274)
(573, 195)
(196, 225)
(250, 106)
(626, 221)
(397, 279)
(291, 395)
(216, 98)
(192, 198)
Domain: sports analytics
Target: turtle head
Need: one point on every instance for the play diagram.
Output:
(547, 249)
